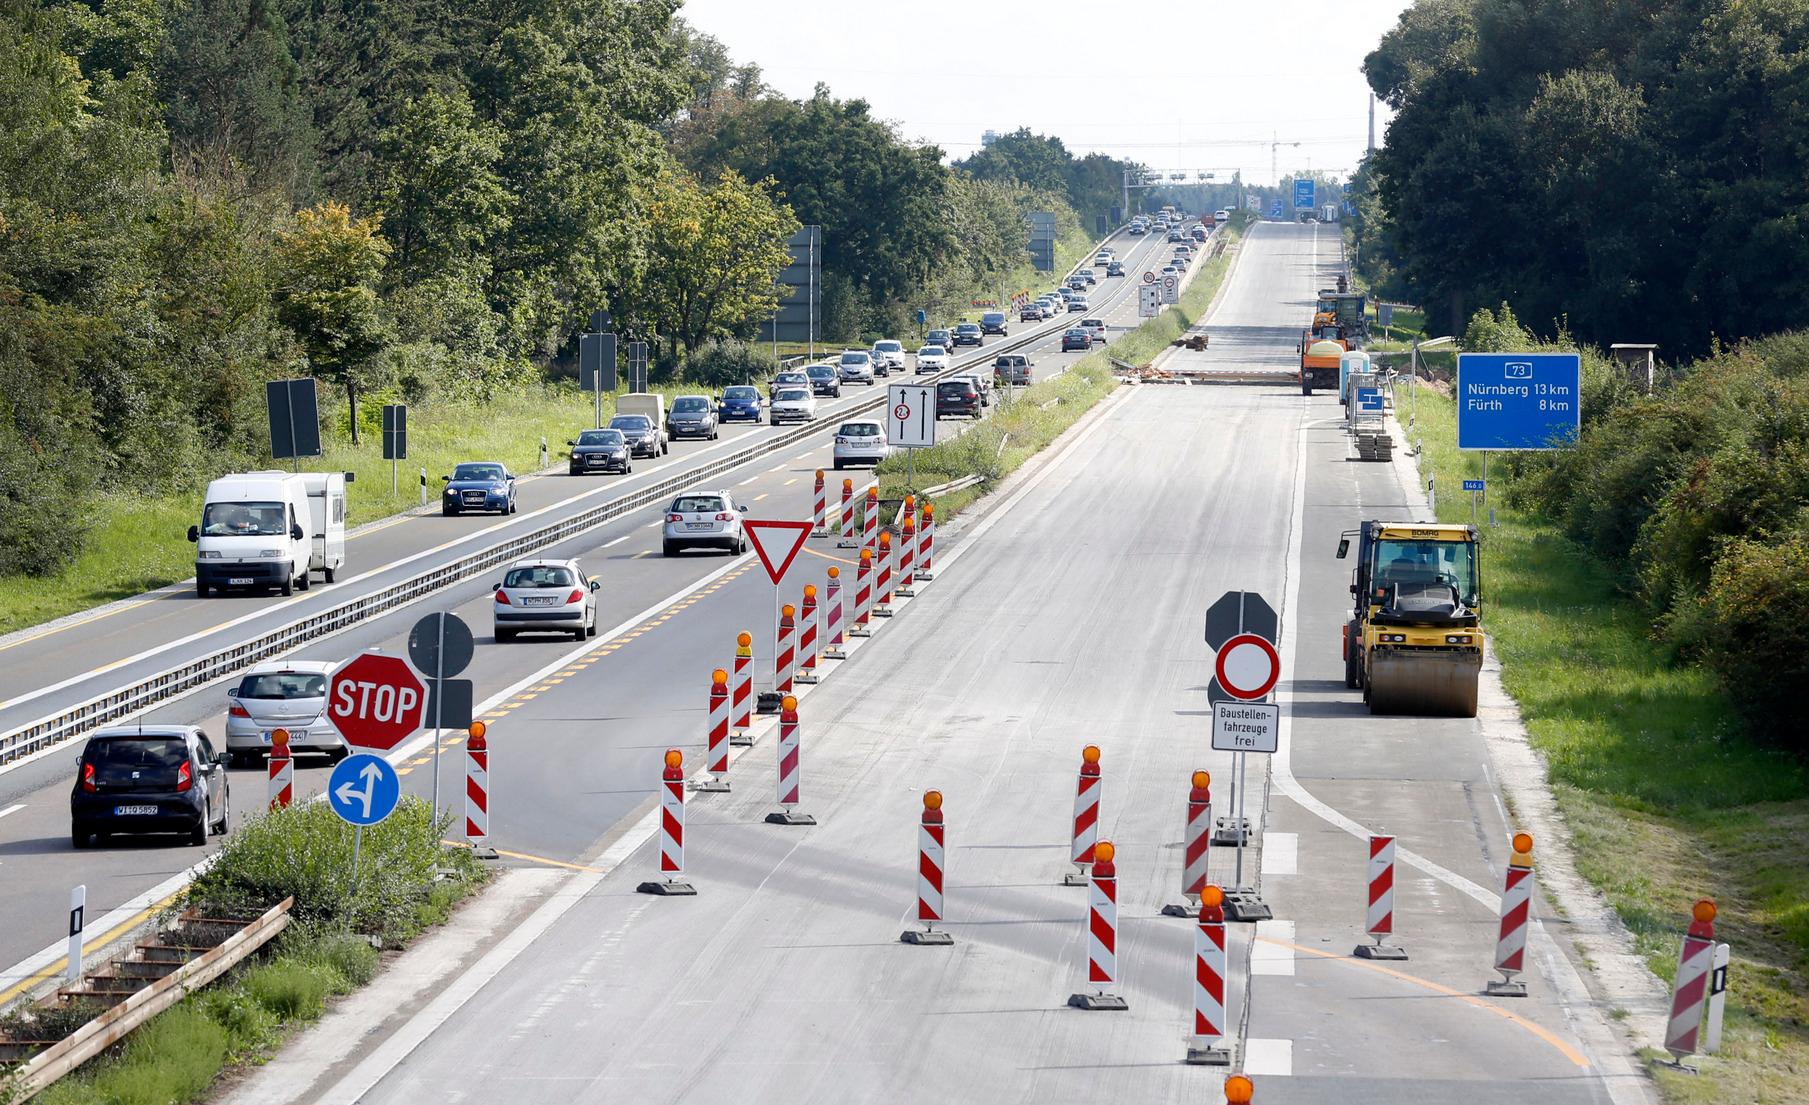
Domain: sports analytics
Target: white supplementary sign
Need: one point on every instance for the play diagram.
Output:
(911, 415)
(1171, 288)
(1246, 726)
(1149, 301)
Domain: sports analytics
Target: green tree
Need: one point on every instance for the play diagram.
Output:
(440, 197)
(327, 267)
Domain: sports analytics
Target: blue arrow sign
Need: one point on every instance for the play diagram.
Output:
(1369, 399)
(1518, 400)
(1305, 194)
(1275, 210)
(363, 789)
(1473, 485)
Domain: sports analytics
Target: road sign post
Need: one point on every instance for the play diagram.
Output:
(1242, 628)
(440, 643)
(1518, 400)
(363, 790)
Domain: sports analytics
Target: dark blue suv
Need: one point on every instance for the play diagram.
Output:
(740, 403)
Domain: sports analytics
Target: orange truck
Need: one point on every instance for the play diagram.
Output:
(1319, 361)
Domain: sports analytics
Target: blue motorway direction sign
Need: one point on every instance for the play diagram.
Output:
(363, 789)
(1305, 195)
(1275, 210)
(1473, 485)
(1518, 400)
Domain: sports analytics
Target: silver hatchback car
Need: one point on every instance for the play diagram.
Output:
(862, 442)
(281, 694)
(704, 519)
(545, 596)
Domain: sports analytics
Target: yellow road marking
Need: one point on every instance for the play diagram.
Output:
(534, 859)
(1536, 1029)
(760, 496)
(837, 559)
(789, 482)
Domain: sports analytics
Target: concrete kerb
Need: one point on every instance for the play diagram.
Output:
(1617, 978)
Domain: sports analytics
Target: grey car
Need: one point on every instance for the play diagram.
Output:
(544, 596)
(644, 438)
(281, 694)
(692, 416)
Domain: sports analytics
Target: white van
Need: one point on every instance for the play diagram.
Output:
(267, 530)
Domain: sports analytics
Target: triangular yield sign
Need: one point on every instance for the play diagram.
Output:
(753, 527)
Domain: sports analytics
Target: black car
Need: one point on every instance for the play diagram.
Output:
(969, 333)
(957, 397)
(1076, 339)
(993, 322)
(600, 451)
(149, 779)
(943, 338)
(692, 416)
(643, 436)
(824, 380)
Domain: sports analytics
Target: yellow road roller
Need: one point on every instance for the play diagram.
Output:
(1414, 639)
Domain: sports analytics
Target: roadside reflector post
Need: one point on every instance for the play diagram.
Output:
(931, 862)
(1198, 845)
(819, 520)
(1102, 934)
(882, 587)
(863, 596)
(848, 539)
(926, 539)
(741, 705)
(1516, 910)
(282, 770)
(1207, 1046)
(672, 882)
(477, 791)
(907, 555)
(1717, 1002)
(1086, 816)
(1379, 920)
(833, 628)
(1690, 989)
(717, 754)
(790, 768)
(807, 636)
(78, 923)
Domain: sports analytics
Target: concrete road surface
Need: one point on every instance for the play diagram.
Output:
(1070, 613)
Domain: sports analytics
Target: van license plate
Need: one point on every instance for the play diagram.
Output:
(241, 581)
(134, 811)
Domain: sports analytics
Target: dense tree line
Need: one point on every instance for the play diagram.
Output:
(1638, 168)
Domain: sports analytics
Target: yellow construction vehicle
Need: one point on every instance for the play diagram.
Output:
(1414, 641)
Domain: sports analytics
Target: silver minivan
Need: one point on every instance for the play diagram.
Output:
(861, 442)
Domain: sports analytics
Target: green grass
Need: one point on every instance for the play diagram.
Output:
(1668, 798)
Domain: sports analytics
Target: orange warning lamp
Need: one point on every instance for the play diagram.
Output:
(1090, 754)
(1202, 779)
(1523, 850)
(1104, 851)
(885, 540)
(1703, 911)
(819, 475)
(866, 557)
(279, 736)
(910, 500)
(847, 485)
(835, 573)
(810, 590)
(932, 799)
(789, 702)
(788, 610)
(929, 510)
(744, 639)
(1238, 1090)
(719, 678)
(910, 524)
(674, 758)
(873, 493)
(477, 729)
(1212, 896)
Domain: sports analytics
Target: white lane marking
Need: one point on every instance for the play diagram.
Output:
(751, 479)
(617, 541)
(12, 809)
(1271, 1058)
(1281, 853)
(656, 523)
(1268, 958)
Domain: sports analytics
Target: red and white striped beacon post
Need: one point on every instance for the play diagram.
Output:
(672, 831)
(1197, 847)
(1695, 969)
(870, 521)
(1379, 920)
(931, 862)
(1086, 815)
(807, 636)
(907, 555)
(1102, 934)
(833, 627)
(819, 522)
(882, 587)
(863, 597)
(785, 656)
(1206, 1047)
(1516, 912)
(282, 770)
(848, 538)
(926, 541)
(790, 768)
(477, 791)
(741, 705)
(717, 754)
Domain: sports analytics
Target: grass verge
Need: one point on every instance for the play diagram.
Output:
(406, 882)
(1667, 797)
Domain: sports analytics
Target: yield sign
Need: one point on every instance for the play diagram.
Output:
(1247, 667)
(779, 533)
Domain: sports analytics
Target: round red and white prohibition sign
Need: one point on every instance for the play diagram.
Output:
(901, 412)
(1247, 667)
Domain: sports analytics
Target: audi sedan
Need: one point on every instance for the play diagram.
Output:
(703, 519)
(544, 596)
(600, 451)
(483, 485)
(969, 333)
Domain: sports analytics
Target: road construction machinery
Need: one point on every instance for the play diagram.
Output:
(1319, 362)
(1414, 640)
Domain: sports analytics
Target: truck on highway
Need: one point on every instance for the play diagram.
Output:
(269, 530)
(1319, 359)
(1414, 640)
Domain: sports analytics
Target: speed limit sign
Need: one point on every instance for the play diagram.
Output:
(911, 415)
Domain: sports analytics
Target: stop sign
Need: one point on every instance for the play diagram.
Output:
(375, 701)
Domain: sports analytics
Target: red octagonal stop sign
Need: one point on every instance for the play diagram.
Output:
(375, 701)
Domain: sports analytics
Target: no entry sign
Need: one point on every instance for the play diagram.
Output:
(375, 701)
(1247, 666)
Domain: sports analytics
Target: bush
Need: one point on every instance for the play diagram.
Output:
(1756, 605)
(721, 363)
(291, 990)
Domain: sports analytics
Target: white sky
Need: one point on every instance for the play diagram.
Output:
(1196, 93)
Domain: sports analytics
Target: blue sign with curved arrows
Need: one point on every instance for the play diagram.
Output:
(364, 789)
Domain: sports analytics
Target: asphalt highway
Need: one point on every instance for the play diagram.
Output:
(649, 676)
(1068, 611)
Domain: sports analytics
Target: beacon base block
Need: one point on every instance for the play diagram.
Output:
(1201, 1053)
(789, 817)
(1380, 951)
(1097, 1001)
(667, 889)
(913, 936)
